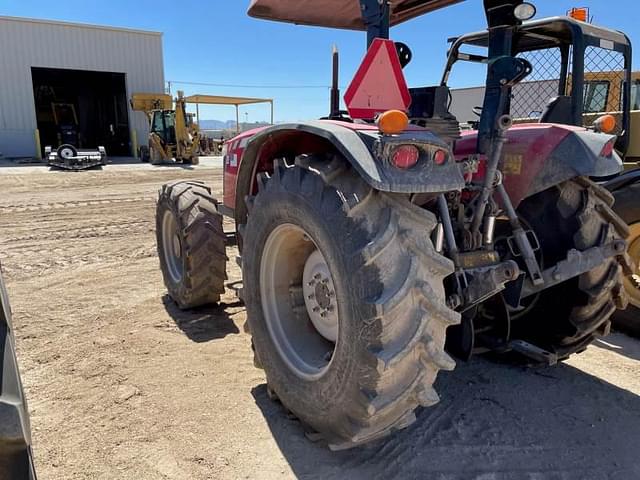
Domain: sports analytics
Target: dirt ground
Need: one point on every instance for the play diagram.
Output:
(122, 385)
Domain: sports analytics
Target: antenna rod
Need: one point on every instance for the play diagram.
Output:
(335, 89)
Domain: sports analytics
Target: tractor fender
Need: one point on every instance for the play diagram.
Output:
(579, 154)
(539, 156)
(363, 146)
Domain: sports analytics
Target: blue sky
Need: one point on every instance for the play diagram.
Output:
(216, 42)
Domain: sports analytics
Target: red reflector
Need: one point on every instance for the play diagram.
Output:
(405, 156)
(607, 150)
(439, 157)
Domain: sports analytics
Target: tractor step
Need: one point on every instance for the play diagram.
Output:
(534, 352)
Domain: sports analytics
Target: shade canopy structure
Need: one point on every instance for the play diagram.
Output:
(344, 14)
(234, 101)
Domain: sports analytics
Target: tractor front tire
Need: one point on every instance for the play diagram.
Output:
(191, 244)
(143, 153)
(566, 318)
(627, 205)
(154, 157)
(345, 300)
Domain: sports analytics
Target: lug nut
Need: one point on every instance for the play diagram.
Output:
(316, 309)
(312, 296)
(317, 276)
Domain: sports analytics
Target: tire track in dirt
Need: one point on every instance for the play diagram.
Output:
(121, 384)
(6, 209)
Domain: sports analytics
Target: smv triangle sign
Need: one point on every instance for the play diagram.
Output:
(379, 84)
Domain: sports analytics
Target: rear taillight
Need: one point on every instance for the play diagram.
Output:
(405, 156)
(440, 157)
(607, 150)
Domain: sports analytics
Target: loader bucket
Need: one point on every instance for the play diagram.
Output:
(145, 102)
(338, 13)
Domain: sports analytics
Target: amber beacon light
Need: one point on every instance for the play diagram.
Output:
(393, 122)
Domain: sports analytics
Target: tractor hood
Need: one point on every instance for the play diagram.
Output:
(338, 13)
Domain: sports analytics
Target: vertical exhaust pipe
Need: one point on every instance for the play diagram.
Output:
(334, 108)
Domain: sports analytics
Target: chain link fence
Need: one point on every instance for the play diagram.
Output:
(603, 84)
(529, 98)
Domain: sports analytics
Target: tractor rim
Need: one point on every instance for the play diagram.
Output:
(632, 283)
(172, 247)
(299, 301)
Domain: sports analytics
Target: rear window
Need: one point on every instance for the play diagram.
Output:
(595, 97)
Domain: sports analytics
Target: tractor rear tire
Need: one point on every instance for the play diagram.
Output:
(627, 205)
(386, 292)
(191, 244)
(564, 319)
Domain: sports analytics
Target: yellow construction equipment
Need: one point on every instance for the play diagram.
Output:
(610, 83)
(174, 136)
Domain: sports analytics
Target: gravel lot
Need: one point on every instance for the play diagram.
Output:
(122, 385)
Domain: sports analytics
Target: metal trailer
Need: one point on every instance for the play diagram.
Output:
(68, 157)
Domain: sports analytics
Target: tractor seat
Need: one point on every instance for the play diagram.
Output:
(558, 110)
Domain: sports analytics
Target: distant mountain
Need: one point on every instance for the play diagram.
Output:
(216, 124)
(228, 127)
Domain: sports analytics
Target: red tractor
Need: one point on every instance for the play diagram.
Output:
(372, 249)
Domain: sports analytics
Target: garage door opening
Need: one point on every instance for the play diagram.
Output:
(84, 108)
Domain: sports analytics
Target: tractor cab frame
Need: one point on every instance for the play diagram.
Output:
(579, 72)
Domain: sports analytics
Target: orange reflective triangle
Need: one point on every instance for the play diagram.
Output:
(379, 84)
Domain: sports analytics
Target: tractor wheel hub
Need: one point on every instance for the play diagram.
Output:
(320, 296)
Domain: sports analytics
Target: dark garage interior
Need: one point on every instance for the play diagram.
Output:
(85, 108)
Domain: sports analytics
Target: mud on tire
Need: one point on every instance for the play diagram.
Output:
(566, 318)
(191, 243)
(389, 292)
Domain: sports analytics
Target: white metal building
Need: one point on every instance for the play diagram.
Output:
(55, 72)
(529, 99)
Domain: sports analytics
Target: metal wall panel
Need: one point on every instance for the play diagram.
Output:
(36, 43)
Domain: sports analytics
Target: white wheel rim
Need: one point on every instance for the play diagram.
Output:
(301, 335)
(320, 296)
(171, 246)
(66, 153)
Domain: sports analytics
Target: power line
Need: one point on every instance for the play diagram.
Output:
(205, 84)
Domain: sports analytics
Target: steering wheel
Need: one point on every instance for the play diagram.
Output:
(477, 111)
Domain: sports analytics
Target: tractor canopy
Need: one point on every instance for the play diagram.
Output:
(338, 13)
